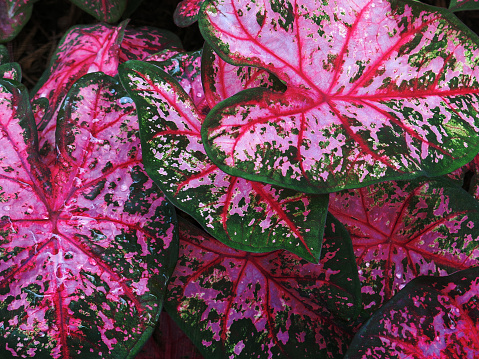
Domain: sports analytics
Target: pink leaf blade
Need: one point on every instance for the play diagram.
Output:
(430, 317)
(274, 297)
(401, 230)
(247, 215)
(186, 12)
(222, 80)
(86, 265)
(104, 10)
(141, 42)
(82, 50)
(373, 100)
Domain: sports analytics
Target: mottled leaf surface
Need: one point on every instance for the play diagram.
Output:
(185, 67)
(402, 230)
(235, 304)
(88, 242)
(11, 70)
(142, 42)
(103, 10)
(434, 318)
(246, 215)
(186, 12)
(222, 80)
(375, 92)
(83, 49)
(461, 5)
(14, 14)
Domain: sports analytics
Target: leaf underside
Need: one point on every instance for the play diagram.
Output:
(235, 304)
(375, 92)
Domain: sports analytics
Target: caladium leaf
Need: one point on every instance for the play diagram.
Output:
(401, 230)
(139, 43)
(11, 71)
(105, 10)
(461, 5)
(14, 14)
(185, 67)
(375, 92)
(243, 214)
(235, 304)
(222, 80)
(88, 242)
(186, 12)
(82, 50)
(467, 177)
(435, 318)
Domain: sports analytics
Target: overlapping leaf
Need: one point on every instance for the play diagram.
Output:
(235, 304)
(104, 10)
(14, 14)
(186, 12)
(375, 92)
(87, 243)
(84, 49)
(434, 318)
(243, 214)
(406, 229)
(222, 80)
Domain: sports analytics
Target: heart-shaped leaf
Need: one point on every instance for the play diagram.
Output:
(186, 12)
(14, 14)
(222, 80)
(104, 10)
(243, 214)
(88, 242)
(401, 230)
(377, 90)
(235, 304)
(83, 49)
(434, 318)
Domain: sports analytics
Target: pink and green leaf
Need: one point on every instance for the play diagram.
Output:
(377, 90)
(84, 49)
(222, 80)
(243, 214)
(467, 177)
(186, 12)
(14, 14)
(402, 230)
(142, 42)
(235, 304)
(11, 70)
(103, 10)
(87, 242)
(435, 318)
